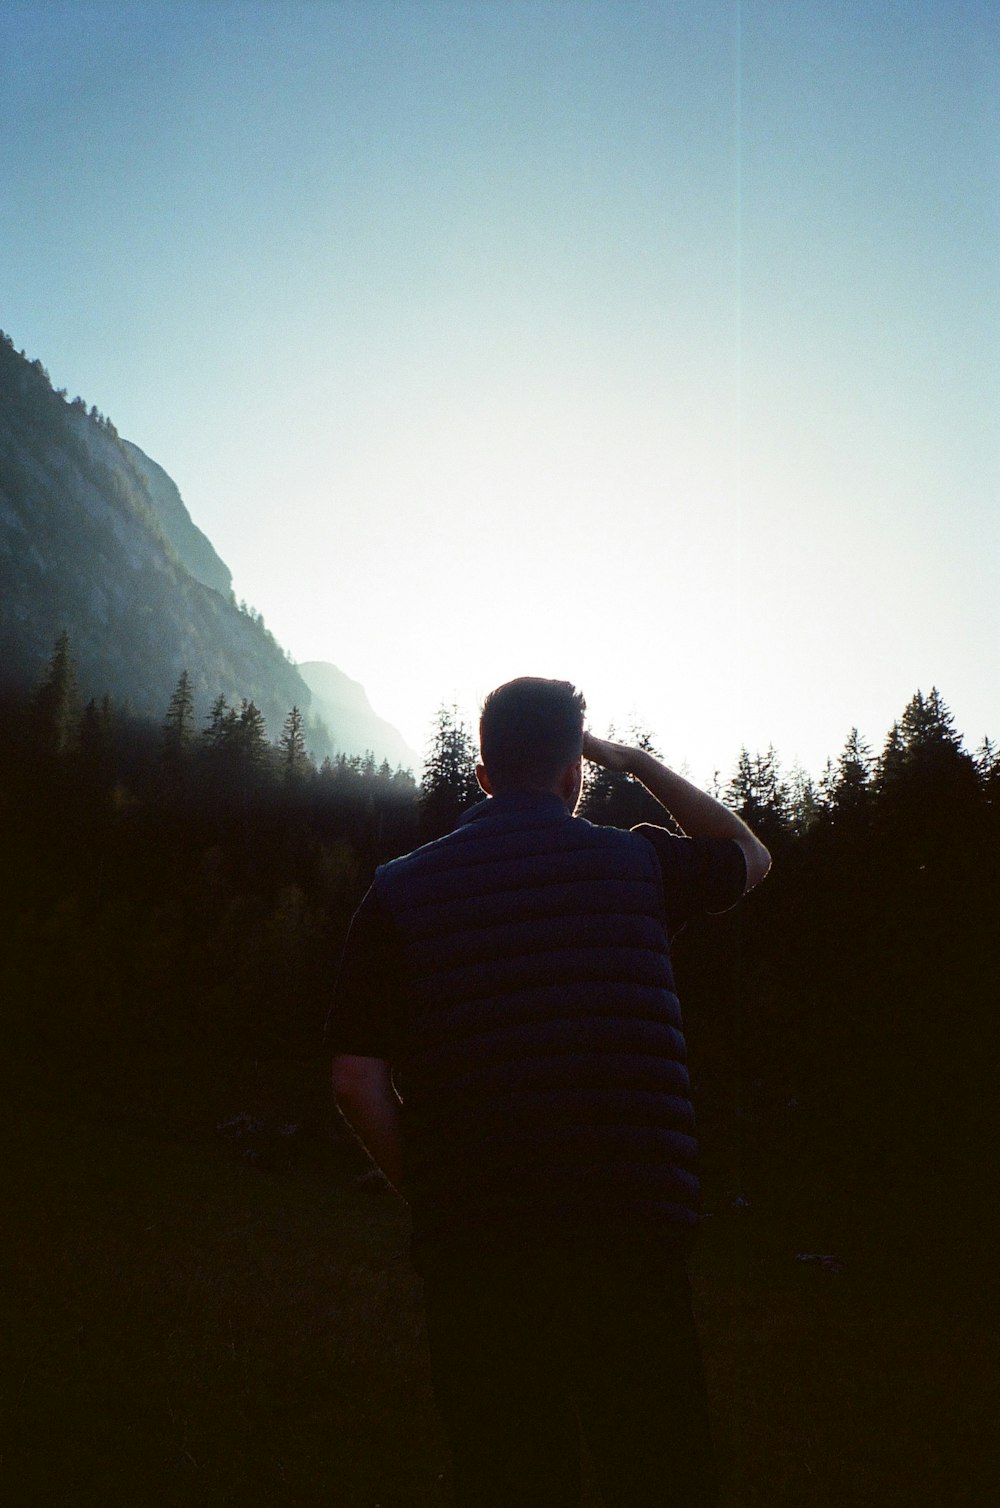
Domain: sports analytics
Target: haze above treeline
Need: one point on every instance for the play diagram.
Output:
(95, 540)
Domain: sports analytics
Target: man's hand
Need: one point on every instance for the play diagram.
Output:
(696, 812)
(601, 751)
(369, 1102)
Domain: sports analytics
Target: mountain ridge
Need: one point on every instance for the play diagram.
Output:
(342, 703)
(95, 539)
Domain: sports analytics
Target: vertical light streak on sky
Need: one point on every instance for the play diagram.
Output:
(684, 313)
(738, 464)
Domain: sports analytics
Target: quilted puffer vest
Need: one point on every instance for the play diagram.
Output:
(543, 1071)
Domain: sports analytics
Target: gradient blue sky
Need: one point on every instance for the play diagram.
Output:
(650, 345)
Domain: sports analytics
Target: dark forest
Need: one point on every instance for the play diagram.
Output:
(177, 898)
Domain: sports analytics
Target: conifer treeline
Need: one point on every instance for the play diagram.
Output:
(186, 891)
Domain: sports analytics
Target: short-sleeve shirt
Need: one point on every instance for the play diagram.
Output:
(699, 875)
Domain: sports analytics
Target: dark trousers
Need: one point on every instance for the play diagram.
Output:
(528, 1347)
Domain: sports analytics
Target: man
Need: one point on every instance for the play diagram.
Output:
(508, 1046)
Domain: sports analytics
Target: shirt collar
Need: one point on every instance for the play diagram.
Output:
(540, 803)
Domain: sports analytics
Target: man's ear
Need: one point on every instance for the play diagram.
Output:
(570, 782)
(484, 780)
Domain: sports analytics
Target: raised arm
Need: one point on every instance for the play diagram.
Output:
(696, 813)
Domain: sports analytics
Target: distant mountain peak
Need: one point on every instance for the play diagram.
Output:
(355, 727)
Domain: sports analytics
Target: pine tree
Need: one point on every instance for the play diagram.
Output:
(292, 745)
(760, 794)
(56, 708)
(97, 736)
(928, 787)
(852, 782)
(178, 725)
(925, 747)
(805, 805)
(221, 722)
(892, 760)
(927, 724)
(252, 736)
(449, 782)
(988, 764)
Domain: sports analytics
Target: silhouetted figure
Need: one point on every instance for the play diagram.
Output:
(513, 982)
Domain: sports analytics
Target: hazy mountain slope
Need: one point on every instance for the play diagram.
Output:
(344, 706)
(95, 538)
(194, 549)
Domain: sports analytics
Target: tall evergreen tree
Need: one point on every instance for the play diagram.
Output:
(925, 745)
(988, 766)
(851, 788)
(760, 794)
(56, 708)
(892, 760)
(805, 803)
(292, 746)
(97, 732)
(927, 724)
(252, 736)
(178, 725)
(221, 721)
(449, 782)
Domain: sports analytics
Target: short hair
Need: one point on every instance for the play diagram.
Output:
(530, 730)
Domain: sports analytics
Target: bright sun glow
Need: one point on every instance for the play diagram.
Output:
(650, 346)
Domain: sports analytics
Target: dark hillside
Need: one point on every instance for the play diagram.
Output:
(208, 1299)
(83, 547)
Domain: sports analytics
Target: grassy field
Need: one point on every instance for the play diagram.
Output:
(185, 1325)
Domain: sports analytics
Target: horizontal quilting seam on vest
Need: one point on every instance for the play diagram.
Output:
(467, 1018)
(572, 967)
(457, 859)
(539, 970)
(570, 896)
(588, 1147)
(467, 1116)
(495, 1037)
(572, 1034)
(543, 933)
(504, 876)
(664, 1071)
(561, 894)
(666, 1161)
(464, 1119)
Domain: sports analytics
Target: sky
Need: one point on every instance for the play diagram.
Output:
(654, 346)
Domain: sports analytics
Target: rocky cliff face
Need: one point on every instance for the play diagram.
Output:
(193, 549)
(95, 538)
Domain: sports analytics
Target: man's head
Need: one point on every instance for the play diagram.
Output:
(531, 737)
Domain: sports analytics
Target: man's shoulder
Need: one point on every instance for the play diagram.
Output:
(428, 856)
(605, 836)
(699, 874)
(472, 842)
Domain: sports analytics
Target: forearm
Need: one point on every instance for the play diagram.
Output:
(370, 1105)
(696, 813)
